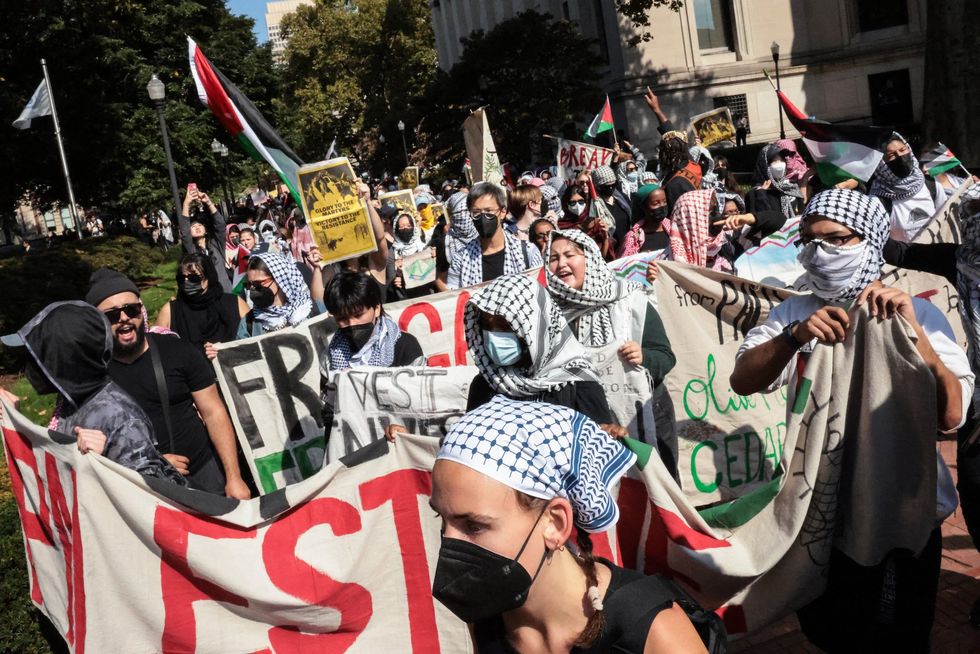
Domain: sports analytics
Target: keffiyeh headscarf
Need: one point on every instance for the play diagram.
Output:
(557, 358)
(601, 288)
(968, 267)
(378, 351)
(551, 201)
(690, 239)
(788, 189)
(289, 280)
(795, 164)
(414, 245)
(471, 259)
(710, 178)
(636, 237)
(887, 184)
(544, 451)
(865, 216)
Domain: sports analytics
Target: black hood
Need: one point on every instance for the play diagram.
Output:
(71, 342)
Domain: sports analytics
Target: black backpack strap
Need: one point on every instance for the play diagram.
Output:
(527, 259)
(932, 185)
(162, 391)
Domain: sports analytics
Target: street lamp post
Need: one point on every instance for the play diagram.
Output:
(774, 48)
(401, 128)
(158, 93)
(221, 150)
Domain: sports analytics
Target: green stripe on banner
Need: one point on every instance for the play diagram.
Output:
(945, 167)
(831, 174)
(249, 147)
(640, 449)
(739, 511)
(802, 394)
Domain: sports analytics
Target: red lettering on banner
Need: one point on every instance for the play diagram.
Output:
(580, 159)
(179, 585)
(435, 325)
(298, 578)
(462, 349)
(402, 489)
(925, 295)
(633, 501)
(593, 159)
(562, 156)
(606, 156)
(64, 525)
(36, 525)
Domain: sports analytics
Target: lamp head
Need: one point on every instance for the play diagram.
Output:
(156, 89)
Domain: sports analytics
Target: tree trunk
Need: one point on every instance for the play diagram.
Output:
(952, 94)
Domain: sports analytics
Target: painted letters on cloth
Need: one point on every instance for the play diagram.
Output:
(574, 157)
(629, 391)
(342, 562)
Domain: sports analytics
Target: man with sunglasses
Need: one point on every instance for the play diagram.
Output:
(190, 420)
(887, 606)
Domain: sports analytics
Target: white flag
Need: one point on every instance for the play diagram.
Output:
(39, 105)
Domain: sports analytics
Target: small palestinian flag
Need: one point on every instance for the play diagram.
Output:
(939, 160)
(242, 119)
(841, 152)
(603, 122)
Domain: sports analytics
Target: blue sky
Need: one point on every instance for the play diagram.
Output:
(254, 9)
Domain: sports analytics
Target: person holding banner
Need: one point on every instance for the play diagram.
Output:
(278, 295)
(520, 486)
(885, 605)
(774, 190)
(407, 242)
(602, 308)
(496, 252)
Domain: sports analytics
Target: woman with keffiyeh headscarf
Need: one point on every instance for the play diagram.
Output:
(774, 190)
(911, 202)
(843, 233)
(276, 290)
(407, 242)
(602, 308)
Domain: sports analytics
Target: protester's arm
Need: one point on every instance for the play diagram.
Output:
(222, 435)
(654, 103)
(766, 223)
(641, 161)
(163, 318)
(935, 258)
(442, 280)
(452, 277)
(380, 256)
(658, 356)
(184, 224)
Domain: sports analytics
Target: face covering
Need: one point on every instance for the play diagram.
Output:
(475, 583)
(42, 385)
(606, 191)
(404, 235)
(358, 335)
(777, 169)
(504, 348)
(191, 288)
(830, 269)
(632, 176)
(261, 297)
(486, 224)
(235, 239)
(658, 214)
(705, 165)
(577, 208)
(901, 166)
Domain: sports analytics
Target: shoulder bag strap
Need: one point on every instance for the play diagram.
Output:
(162, 391)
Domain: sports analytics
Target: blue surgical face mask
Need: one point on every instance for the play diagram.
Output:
(504, 348)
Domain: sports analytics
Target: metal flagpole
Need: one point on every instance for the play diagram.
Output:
(61, 150)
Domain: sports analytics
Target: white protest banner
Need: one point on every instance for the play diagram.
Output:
(367, 399)
(419, 269)
(574, 157)
(480, 149)
(629, 391)
(773, 262)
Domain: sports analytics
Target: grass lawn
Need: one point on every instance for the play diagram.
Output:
(18, 627)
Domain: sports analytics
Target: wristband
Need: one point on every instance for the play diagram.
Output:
(788, 338)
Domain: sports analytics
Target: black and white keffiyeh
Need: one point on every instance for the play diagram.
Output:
(378, 351)
(544, 451)
(414, 246)
(865, 216)
(556, 357)
(887, 184)
(461, 228)
(968, 268)
(591, 305)
(551, 201)
(290, 281)
(788, 190)
(518, 256)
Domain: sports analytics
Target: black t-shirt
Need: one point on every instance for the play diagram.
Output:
(407, 351)
(655, 241)
(623, 221)
(186, 371)
(493, 265)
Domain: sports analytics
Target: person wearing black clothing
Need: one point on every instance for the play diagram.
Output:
(202, 313)
(197, 235)
(605, 182)
(773, 191)
(678, 174)
(188, 389)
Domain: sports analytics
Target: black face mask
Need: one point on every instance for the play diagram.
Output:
(261, 297)
(486, 224)
(705, 165)
(191, 288)
(404, 235)
(475, 583)
(358, 335)
(658, 214)
(37, 378)
(901, 166)
(606, 191)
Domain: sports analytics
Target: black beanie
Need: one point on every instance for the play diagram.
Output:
(105, 282)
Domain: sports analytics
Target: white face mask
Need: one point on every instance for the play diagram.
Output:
(777, 169)
(576, 207)
(830, 269)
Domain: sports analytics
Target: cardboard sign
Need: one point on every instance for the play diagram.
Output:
(573, 157)
(409, 178)
(337, 217)
(714, 126)
(482, 153)
(419, 269)
(403, 201)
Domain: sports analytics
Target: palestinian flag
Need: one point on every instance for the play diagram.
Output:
(939, 160)
(603, 122)
(242, 119)
(841, 152)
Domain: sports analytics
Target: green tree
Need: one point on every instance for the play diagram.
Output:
(638, 13)
(352, 70)
(101, 54)
(534, 74)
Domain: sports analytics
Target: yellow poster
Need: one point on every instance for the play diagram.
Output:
(337, 217)
(403, 201)
(714, 126)
(409, 178)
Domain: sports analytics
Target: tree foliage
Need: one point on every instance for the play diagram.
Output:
(101, 54)
(638, 13)
(534, 74)
(352, 70)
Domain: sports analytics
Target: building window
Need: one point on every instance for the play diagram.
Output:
(600, 28)
(564, 10)
(714, 22)
(49, 220)
(891, 97)
(736, 105)
(881, 14)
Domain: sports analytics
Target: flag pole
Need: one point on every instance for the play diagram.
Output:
(73, 210)
(768, 77)
(615, 139)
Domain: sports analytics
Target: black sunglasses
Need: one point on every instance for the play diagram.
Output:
(131, 311)
(192, 277)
